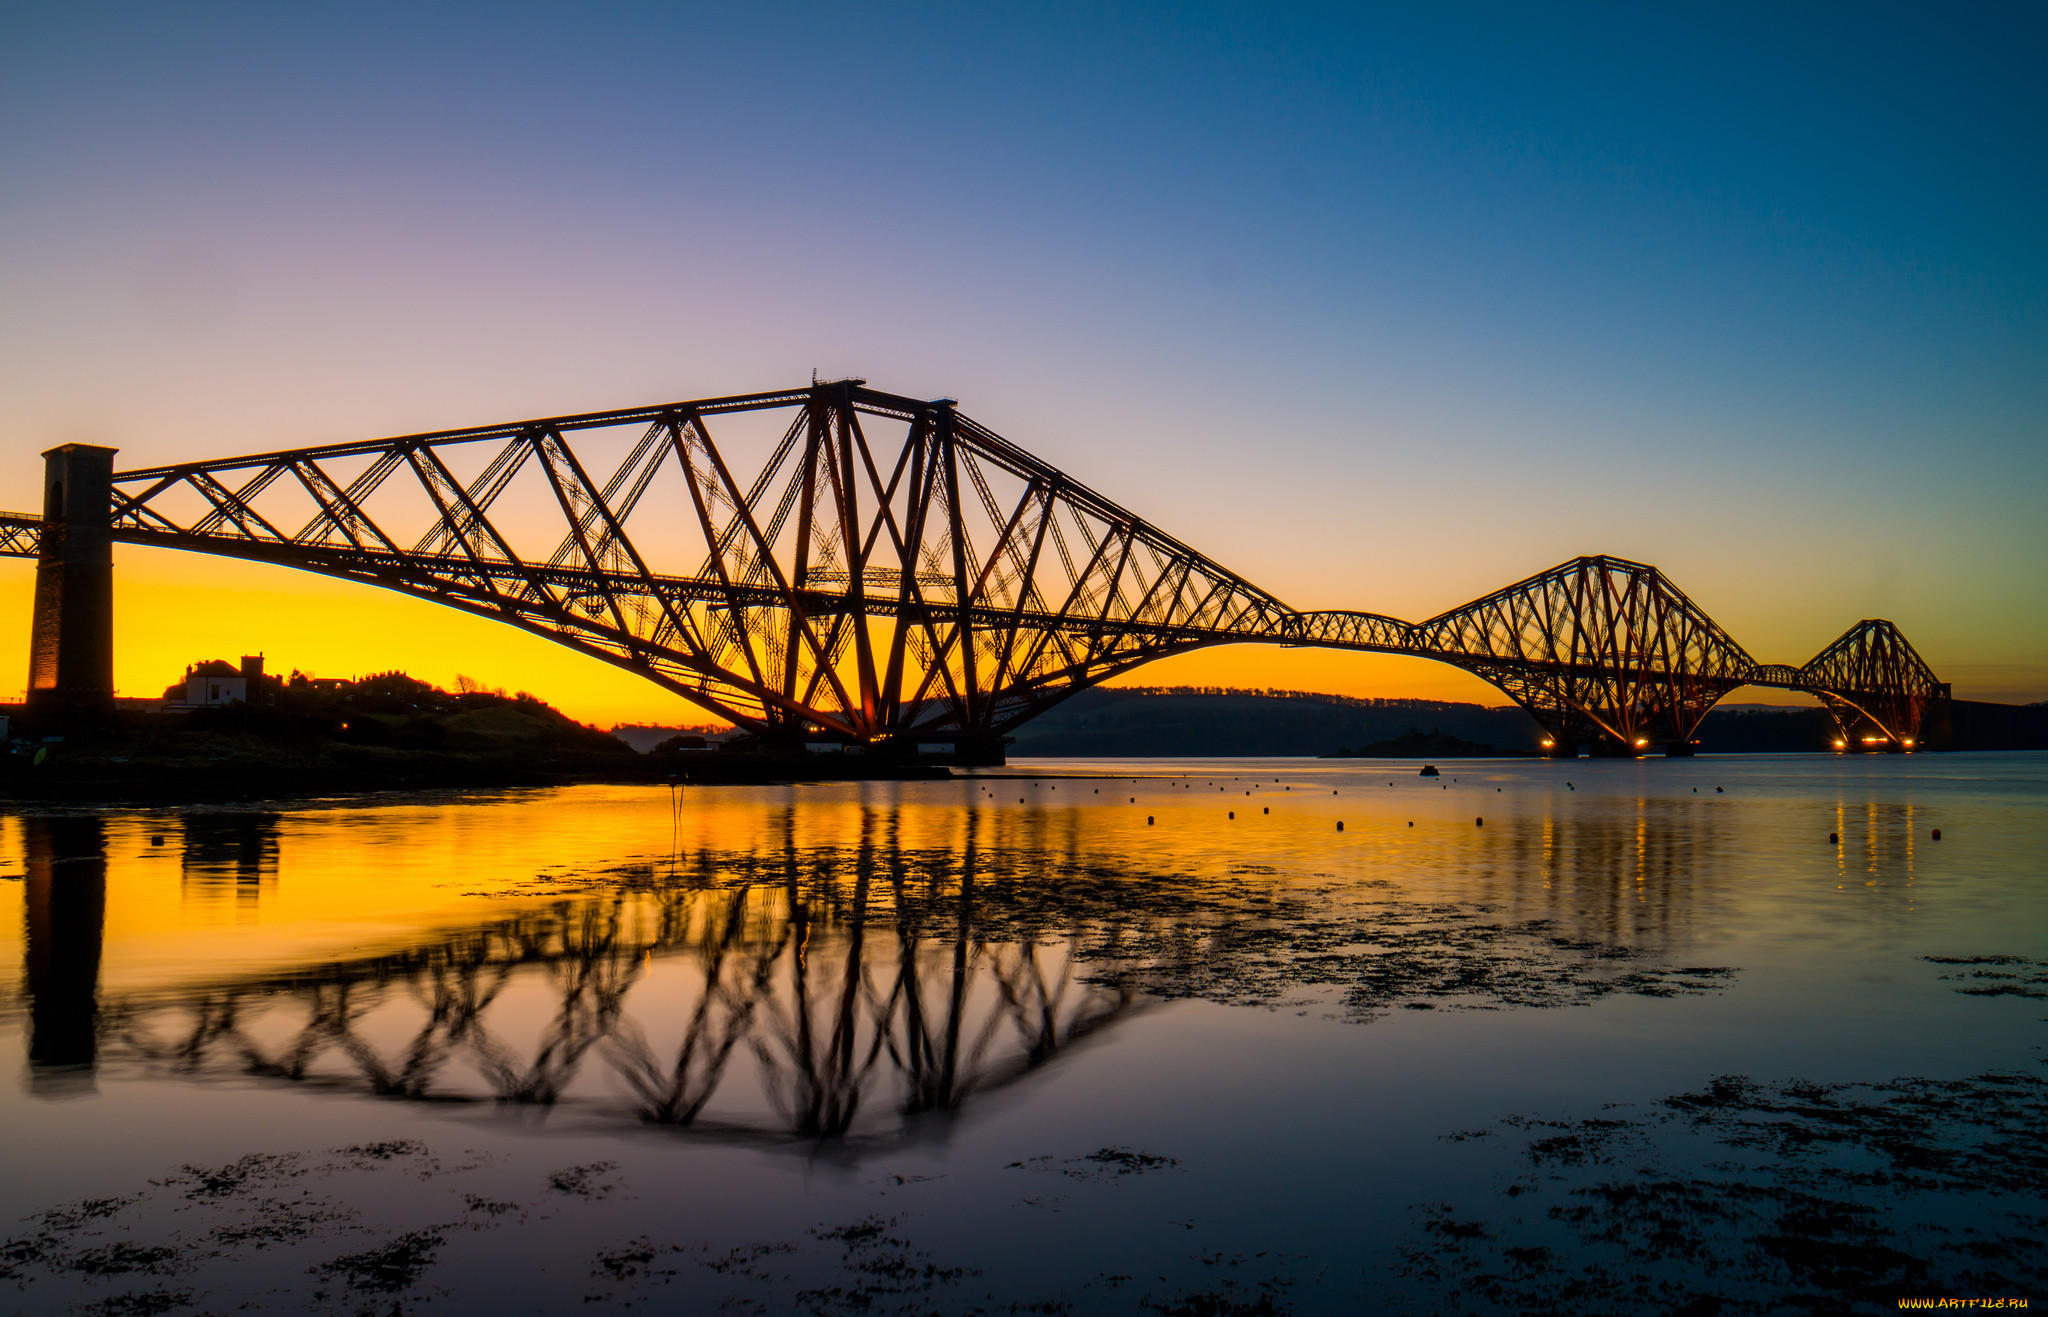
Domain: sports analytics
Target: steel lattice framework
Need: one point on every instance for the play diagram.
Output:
(1610, 653)
(1874, 683)
(1602, 650)
(888, 572)
(20, 535)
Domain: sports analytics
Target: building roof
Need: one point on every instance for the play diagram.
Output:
(215, 668)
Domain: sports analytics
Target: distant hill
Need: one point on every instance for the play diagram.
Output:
(1180, 721)
(1766, 729)
(645, 736)
(1961, 725)
(1978, 725)
(1194, 721)
(1418, 744)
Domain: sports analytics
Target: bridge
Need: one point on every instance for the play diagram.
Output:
(885, 573)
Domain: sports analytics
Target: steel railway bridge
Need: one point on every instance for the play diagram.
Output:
(884, 573)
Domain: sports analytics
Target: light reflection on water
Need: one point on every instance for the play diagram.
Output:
(852, 971)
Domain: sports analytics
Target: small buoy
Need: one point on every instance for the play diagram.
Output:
(1834, 839)
(1265, 809)
(1695, 791)
(158, 839)
(1411, 823)
(1340, 825)
(1020, 800)
(1937, 834)
(1148, 820)
(1233, 813)
(1134, 800)
(1478, 823)
(1717, 790)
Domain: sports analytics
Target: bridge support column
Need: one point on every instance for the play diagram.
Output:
(71, 644)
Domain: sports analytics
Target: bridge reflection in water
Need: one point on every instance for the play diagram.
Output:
(844, 983)
(64, 876)
(786, 990)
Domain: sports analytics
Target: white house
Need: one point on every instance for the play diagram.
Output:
(214, 683)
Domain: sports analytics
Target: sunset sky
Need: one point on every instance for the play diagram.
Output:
(1381, 311)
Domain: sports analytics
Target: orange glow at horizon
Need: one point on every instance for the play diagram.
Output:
(173, 608)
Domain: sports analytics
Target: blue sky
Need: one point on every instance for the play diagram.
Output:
(1382, 309)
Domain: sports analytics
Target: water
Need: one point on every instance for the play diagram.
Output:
(1061, 1037)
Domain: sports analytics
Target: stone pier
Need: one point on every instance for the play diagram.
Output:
(71, 645)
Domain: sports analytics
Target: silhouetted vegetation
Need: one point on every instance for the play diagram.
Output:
(399, 711)
(388, 730)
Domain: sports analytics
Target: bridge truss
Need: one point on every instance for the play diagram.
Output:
(839, 564)
(1610, 654)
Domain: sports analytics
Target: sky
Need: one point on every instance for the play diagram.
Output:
(1382, 309)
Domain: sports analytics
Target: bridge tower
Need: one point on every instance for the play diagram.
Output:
(71, 646)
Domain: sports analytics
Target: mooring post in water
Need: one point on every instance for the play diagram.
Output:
(71, 645)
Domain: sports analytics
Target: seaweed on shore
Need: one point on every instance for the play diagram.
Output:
(199, 1223)
(1753, 1198)
(1995, 976)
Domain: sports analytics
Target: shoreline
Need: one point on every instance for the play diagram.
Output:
(242, 774)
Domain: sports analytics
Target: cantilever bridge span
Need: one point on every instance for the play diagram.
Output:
(833, 563)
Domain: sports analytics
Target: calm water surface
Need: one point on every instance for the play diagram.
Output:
(1118, 1037)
